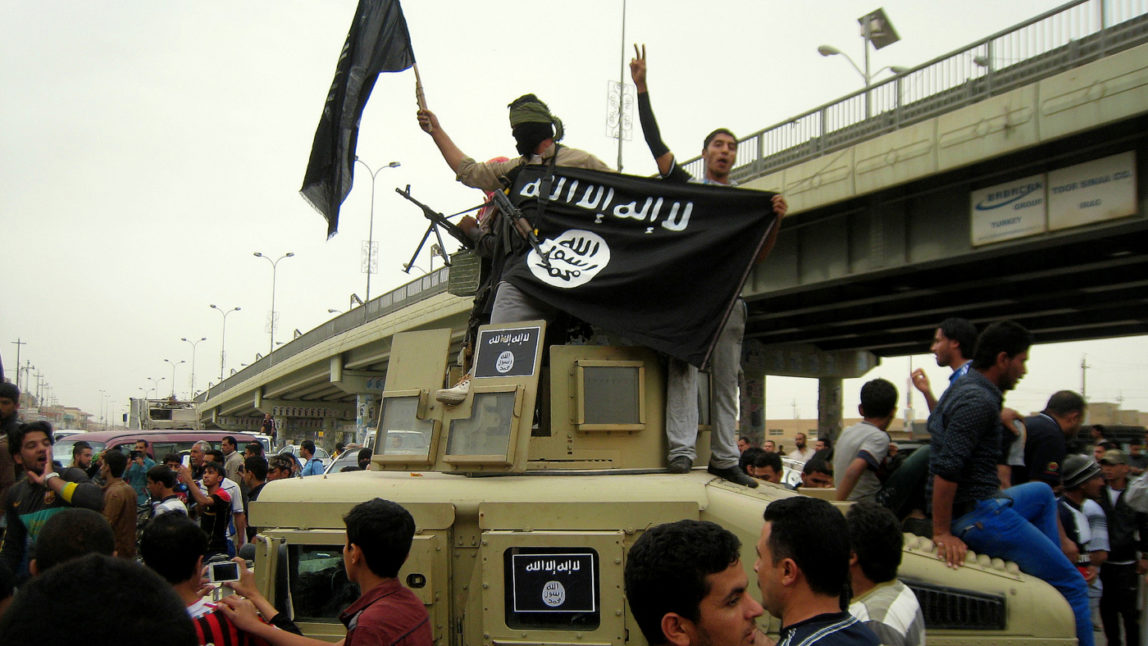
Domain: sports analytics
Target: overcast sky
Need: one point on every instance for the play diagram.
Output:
(148, 148)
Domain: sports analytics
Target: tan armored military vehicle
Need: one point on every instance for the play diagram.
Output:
(524, 520)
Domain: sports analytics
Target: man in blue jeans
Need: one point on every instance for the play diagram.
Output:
(969, 509)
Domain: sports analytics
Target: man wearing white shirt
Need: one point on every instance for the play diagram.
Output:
(801, 451)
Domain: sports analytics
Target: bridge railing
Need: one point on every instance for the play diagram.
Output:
(1052, 42)
(417, 290)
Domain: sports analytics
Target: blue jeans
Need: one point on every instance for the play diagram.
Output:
(1021, 527)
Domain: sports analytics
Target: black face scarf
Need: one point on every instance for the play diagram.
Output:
(527, 136)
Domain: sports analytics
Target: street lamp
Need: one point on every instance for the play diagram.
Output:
(371, 228)
(829, 50)
(173, 365)
(103, 413)
(223, 334)
(274, 271)
(155, 385)
(878, 31)
(191, 392)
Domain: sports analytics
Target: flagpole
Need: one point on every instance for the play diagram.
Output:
(422, 101)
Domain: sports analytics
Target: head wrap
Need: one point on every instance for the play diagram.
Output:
(528, 109)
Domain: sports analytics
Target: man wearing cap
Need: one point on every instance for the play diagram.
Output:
(1128, 543)
(1083, 519)
(536, 134)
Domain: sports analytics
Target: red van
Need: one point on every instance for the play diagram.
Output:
(160, 443)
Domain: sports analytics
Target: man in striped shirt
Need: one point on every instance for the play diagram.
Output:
(888, 607)
(173, 546)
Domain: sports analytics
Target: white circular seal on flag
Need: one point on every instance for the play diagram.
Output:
(504, 362)
(553, 594)
(575, 257)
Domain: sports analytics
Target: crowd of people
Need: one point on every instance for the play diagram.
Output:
(830, 579)
(140, 535)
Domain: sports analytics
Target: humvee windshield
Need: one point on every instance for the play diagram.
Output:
(487, 431)
(401, 432)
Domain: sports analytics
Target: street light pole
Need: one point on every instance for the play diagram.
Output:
(876, 30)
(371, 228)
(191, 391)
(155, 385)
(223, 335)
(274, 272)
(173, 365)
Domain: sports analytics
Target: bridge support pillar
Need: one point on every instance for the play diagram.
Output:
(364, 414)
(829, 368)
(829, 405)
(752, 385)
(752, 407)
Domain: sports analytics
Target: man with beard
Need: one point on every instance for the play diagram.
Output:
(969, 509)
(536, 134)
(41, 494)
(81, 469)
(1048, 434)
(953, 344)
(801, 450)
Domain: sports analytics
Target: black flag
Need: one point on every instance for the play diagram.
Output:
(377, 42)
(661, 263)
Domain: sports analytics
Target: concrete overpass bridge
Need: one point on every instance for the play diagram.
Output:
(998, 181)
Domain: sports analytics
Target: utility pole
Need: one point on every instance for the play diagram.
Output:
(18, 343)
(27, 372)
(622, 88)
(1083, 376)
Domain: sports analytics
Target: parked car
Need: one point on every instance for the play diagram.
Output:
(160, 443)
(349, 458)
(61, 433)
(320, 453)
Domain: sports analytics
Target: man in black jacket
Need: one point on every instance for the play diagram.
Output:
(1128, 547)
(38, 496)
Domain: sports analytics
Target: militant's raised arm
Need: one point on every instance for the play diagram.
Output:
(658, 148)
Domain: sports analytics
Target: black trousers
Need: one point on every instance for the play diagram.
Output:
(1118, 603)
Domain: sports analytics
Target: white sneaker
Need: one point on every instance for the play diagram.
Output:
(457, 394)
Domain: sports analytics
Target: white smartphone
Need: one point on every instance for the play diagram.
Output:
(221, 572)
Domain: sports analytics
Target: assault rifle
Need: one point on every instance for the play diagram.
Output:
(520, 224)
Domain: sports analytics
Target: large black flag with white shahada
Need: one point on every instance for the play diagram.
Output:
(377, 42)
(658, 262)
